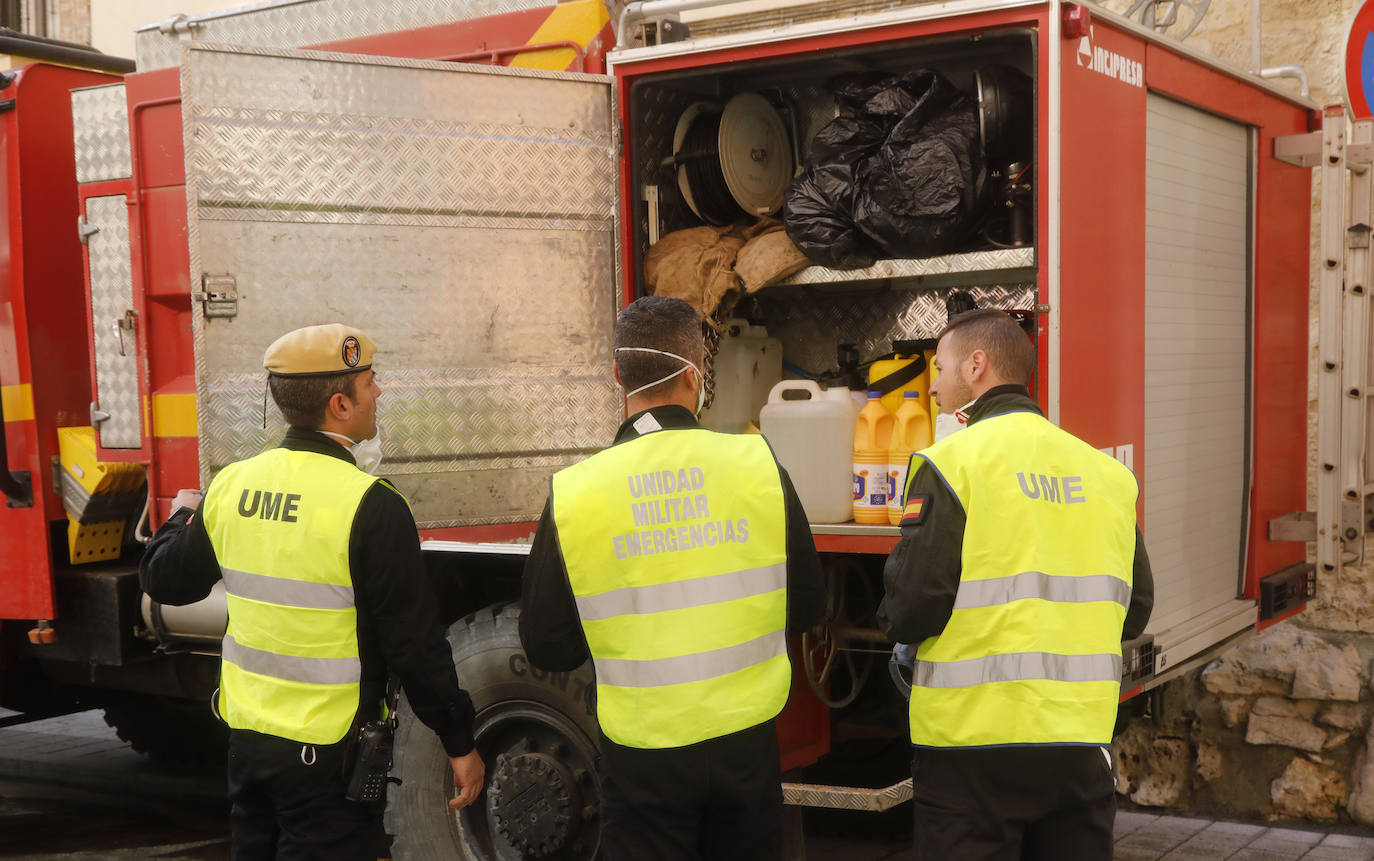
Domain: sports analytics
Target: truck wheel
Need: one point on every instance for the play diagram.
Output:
(170, 731)
(536, 732)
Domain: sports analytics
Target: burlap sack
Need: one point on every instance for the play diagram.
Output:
(767, 259)
(696, 264)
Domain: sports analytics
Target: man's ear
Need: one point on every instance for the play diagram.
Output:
(978, 365)
(339, 407)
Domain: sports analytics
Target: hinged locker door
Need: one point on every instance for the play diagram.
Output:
(464, 216)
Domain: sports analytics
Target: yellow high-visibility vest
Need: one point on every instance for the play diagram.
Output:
(675, 545)
(280, 525)
(1032, 652)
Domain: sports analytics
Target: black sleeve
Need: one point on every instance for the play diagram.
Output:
(179, 565)
(550, 629)
(805, 584)
(1142, 592)
(389, 574)
(921, 577)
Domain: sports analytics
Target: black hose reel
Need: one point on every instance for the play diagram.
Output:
(732, 163)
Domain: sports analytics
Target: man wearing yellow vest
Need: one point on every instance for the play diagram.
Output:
(326, 592)
(1019, 572)
(678, 559)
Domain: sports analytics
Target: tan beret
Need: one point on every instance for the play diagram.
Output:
(330, 349)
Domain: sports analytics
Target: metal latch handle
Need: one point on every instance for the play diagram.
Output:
(119, 324)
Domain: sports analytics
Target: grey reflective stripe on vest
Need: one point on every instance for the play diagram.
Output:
(690, 668)
(1050, 587)
(292, 668)
(698, 592)
(288, 593)
(1016, 667)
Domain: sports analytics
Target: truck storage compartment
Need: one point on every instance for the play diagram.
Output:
(665, 110)
(705, 160)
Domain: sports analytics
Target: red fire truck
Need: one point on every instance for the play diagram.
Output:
(478, 184)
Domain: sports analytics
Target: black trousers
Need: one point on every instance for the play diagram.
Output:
(287, 803)
(717, 800)
(1005, 804)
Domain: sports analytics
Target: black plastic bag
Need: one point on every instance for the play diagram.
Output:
(818, 206)
(899, 173)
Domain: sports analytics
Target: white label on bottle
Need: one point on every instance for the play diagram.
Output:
(870, 485)
(896, 483)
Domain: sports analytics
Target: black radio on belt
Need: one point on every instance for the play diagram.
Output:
(372, 754)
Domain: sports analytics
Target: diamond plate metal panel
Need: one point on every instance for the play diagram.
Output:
(112, 294)
(847, 797)
(810, 323)
(464, 216)
(309, 22)
(101, 133)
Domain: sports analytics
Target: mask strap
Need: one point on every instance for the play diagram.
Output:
(349, 444)
(686, 363)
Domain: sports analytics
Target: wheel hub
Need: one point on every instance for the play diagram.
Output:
(536, 803)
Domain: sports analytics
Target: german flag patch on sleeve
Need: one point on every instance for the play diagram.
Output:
(914, 514)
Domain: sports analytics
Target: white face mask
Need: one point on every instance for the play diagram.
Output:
(367, 454)
(701, 380)
(948, 423)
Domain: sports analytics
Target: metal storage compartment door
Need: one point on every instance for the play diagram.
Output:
(463, 215)
(1197, 320)
(113, 320)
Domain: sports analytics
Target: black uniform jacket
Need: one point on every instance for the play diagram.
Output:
(398, 626)
(922, 574)
(549, 625)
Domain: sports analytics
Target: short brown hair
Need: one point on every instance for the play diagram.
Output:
(994, 332)
(659, 323)
(302, 400)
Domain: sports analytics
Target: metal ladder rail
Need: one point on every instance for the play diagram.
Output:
(1331, 288)
(1355, 340)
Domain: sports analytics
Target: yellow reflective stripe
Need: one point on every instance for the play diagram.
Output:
(681, 594)
(1017, 667)
(578, 22)
(1047, 587)
(17, 402)
(286, 592)
(293, 668)
(174, 415)
(697, 667)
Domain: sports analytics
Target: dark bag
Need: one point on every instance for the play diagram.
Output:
(899, 173)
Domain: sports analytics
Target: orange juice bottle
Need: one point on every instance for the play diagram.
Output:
(872, 437)
(910, 433)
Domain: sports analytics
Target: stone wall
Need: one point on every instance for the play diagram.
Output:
(1279, 726)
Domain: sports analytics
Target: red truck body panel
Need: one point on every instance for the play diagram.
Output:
(44, 362)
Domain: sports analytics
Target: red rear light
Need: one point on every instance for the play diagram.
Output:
(1077, 20)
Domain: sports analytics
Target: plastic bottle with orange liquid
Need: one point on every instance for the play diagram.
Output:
(872, 437)
(910, 433)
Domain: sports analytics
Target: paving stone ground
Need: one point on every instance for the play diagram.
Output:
(79, 754)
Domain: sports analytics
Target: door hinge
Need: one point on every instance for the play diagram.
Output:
(97, 414)
(219, 297)
(85, 230)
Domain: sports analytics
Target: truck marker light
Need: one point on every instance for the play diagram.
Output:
(1077, 20)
